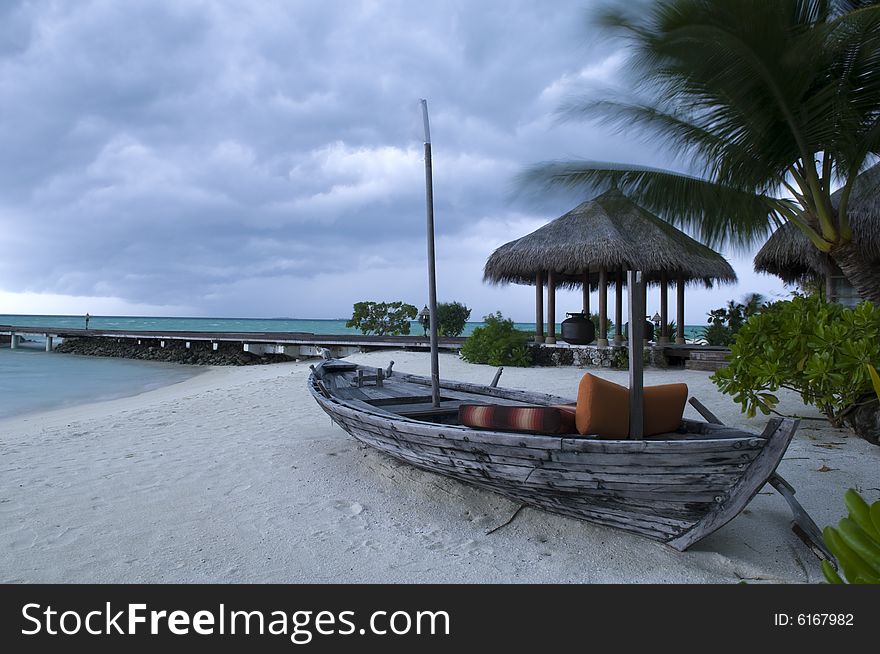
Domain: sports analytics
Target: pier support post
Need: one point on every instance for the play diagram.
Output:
(13, 341)
(48, 343)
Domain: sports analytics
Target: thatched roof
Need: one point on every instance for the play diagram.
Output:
(611, 232)
(791, 256)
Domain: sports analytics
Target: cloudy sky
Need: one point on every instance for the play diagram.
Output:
(264, 159)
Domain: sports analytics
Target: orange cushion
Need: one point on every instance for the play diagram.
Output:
(603, 408)
(664, 407)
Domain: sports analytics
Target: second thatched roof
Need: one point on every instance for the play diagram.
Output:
(791, 256)
(611, 232)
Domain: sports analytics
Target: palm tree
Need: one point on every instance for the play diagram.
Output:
(769, 105)
(752, 303)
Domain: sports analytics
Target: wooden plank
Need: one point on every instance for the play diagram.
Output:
(586, 464)
(779, 432)
(652, 525)
(538, 477)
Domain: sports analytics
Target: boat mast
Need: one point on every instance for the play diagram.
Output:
(432, 275)
(636, 282)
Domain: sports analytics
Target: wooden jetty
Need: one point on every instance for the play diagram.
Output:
(292, 344)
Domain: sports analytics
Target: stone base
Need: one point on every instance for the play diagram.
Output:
(592, 356)
(198, 353)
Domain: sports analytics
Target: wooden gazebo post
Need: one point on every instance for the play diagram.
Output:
(551, 307)
(602, 338)
(679, 310)
(664, 309)
(539, 307)
(636, 289)
(618, 307)
(587, 294)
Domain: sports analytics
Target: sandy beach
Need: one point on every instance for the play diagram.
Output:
(235, 475)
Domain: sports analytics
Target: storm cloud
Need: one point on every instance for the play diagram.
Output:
(265, 158)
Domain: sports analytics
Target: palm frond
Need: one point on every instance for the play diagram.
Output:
(720, 215)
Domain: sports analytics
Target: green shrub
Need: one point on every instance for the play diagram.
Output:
(821, 351)
(383, 318)
(452, 318)
(855, 543)
(497, 343)
(717, 334)
(724, 323)
(594, 318)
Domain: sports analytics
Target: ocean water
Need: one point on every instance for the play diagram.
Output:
(334, 327)
(33, 380)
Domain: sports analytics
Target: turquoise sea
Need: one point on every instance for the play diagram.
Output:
(33, 380)
(228, 324)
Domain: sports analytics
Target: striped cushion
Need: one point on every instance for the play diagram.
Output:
(529, 419)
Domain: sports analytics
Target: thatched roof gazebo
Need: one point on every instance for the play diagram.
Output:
(605, 236)
(792, 257)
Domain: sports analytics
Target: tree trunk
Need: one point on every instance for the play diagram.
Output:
(865, 421)
(861, 271)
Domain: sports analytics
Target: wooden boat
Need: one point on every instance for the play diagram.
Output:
(675, 488)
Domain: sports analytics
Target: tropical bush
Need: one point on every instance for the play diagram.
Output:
(725, 322)
(594, 318)
(452, 318)
(855, 543)
(497, 343)
(823, 351)
(382, 318)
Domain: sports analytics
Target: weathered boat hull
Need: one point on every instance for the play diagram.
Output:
(675, 491)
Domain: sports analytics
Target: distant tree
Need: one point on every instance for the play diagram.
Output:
(451, 318)
(383, 318)
(725, 322)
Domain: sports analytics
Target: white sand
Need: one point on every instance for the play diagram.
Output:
(237, 476)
